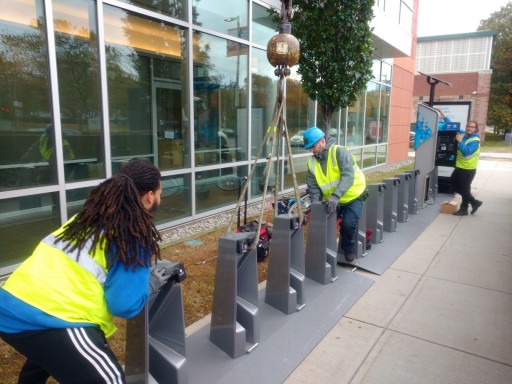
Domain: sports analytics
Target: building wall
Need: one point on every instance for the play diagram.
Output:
(470, 86)
(401, 96)
(463, 60)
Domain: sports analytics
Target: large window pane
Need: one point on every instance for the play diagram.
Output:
(24, 221)
(263, 28)
(355, 122)
(228, 16)
(218, 188)
(382, 151)
(77, 65)
(333, 131)
(301, 167)
(300, 110)
(385, 97)
(264, 93)
(373, 128)
(369, 156)
(173, 8)
(25, 104)
(148, 99)
(176, 199)
(220, 100)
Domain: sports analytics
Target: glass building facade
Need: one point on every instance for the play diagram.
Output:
(87, 85)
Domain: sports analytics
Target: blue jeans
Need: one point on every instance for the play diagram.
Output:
(350, 214)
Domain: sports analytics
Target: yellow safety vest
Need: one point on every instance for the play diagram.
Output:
(54, 282)
(328, 182)
(470, 161)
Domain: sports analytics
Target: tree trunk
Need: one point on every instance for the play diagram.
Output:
(327, 111)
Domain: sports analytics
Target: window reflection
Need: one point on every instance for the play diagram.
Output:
(175, 200)
(220, 100)
(218, 188)
(264, 93)
(210, 15)
(355, 122)
(25, 104)
(148, 99)
(173, 8)
(373, 125)
(77, 66)
(263, 28)
(300, 165)
(369, 156)
(385, 98)
(24, 221)
(300, 110)
(382, 154)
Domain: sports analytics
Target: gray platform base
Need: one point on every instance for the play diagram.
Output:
(382, 255)
(285, 339)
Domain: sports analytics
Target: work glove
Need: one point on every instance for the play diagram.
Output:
(157, 279)
(331, 204)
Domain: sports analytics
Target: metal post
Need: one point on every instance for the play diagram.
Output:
(235, 315)
(390, 204)
(413, 200)
(321, 256)
(286, 268)
(375, 211)
(155, 339)
(402, 209)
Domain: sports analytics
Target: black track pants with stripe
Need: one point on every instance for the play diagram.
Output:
(69, 355)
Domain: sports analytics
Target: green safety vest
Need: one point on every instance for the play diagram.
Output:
(328, 182)
(470, 161)
(54, 282)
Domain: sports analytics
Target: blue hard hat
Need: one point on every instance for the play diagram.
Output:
(311, 136)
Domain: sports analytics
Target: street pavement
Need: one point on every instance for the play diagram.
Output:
(442, 312)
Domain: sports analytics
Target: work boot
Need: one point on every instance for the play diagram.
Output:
(477, 204)
(461, 212)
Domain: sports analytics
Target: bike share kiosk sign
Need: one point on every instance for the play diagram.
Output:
(425, 147)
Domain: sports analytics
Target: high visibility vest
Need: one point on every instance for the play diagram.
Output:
(470, 161)
(327, 182)
(53, 281)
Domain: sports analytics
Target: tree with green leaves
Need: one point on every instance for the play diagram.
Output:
(336, 50)
(500, 99)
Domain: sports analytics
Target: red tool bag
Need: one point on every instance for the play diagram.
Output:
(263, 247)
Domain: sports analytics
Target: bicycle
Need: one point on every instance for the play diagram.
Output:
(288, 205)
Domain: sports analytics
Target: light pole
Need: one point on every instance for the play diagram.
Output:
(228, 20)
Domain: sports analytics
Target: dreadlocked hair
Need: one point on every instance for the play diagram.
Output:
(114, 217)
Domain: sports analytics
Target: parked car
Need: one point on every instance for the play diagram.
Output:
(297, 140)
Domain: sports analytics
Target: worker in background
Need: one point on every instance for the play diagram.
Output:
(334, 177)
(57, 308)
(468, 153)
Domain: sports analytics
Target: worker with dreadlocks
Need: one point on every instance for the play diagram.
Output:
(57, 308)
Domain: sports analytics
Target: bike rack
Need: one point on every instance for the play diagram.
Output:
(375, 211)
(235, 314)
(155, 338)
(321, 257)
(402, 209)
(361, 235)
(390, 204)
(413, 200)
(285, 276)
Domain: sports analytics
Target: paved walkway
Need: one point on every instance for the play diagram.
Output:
(442, 313)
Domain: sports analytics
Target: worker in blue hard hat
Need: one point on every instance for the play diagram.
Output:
(334, 177)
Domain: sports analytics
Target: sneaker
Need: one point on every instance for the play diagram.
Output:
(461, 212)
(350, 256)
(477, 204)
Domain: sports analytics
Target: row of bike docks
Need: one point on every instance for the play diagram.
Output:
(155, 339)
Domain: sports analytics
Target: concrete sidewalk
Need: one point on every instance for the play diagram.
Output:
(442, 313)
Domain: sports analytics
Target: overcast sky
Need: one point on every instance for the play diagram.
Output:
(444, 17)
